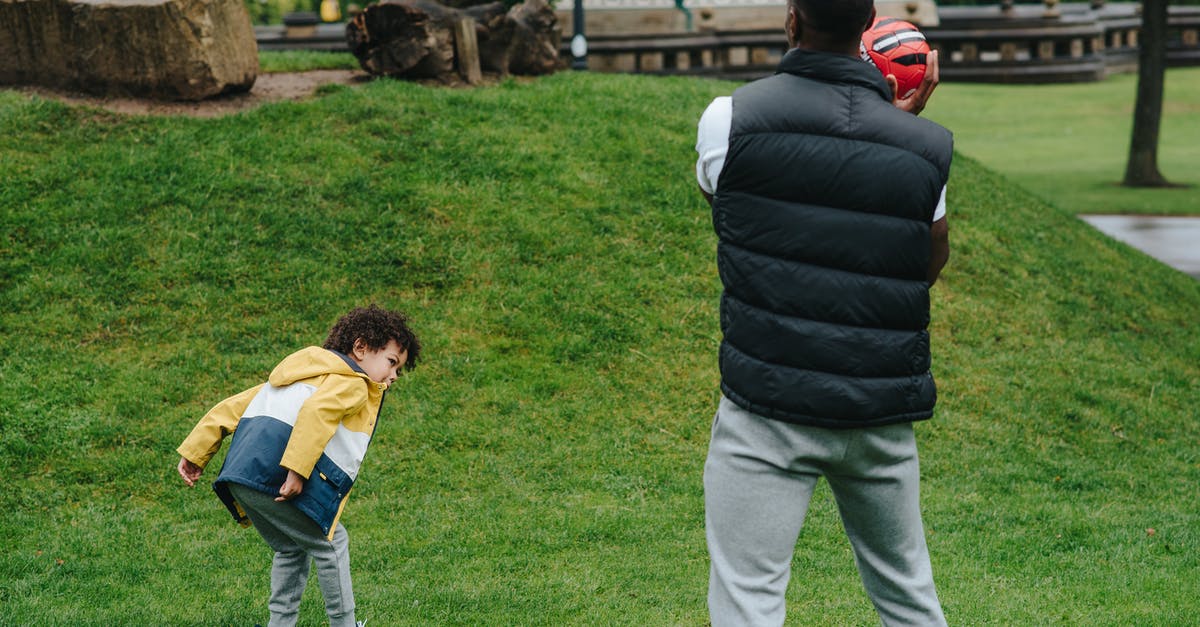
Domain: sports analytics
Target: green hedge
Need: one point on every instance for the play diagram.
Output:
(272, 11)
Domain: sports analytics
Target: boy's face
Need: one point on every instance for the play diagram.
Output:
(383, 365)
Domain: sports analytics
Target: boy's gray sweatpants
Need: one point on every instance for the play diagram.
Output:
(758, 480)
(297, 541)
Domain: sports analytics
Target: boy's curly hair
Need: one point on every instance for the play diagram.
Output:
(375, 326)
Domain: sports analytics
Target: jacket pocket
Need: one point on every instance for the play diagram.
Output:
(324, 492)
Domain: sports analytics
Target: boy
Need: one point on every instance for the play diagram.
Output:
(298, 443)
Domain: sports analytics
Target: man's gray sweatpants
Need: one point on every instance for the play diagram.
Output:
(758, 480)
(297, 541)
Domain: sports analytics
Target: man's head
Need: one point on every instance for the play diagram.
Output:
(382, 334)
(829, 25)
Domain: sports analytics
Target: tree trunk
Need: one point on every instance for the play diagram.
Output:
(1142, 169)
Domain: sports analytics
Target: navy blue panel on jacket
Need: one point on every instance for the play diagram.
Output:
(823, 213)
(254, 461)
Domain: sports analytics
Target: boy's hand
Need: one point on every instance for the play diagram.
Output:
(291, 488)
(189, 471)
(915, 103)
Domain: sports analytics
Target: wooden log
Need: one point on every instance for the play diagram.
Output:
(391, 39)
(494, 33)
(536, 38)
(466, 49)
(424, 39)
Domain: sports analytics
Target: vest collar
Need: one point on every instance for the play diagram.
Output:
(833, 68)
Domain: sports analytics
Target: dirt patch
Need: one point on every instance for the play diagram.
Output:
(267, 88)
(271, 87)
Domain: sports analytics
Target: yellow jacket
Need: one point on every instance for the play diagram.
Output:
(315, 415)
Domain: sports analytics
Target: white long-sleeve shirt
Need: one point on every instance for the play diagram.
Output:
(712, 144)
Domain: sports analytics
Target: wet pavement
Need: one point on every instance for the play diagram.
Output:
(1174, 241)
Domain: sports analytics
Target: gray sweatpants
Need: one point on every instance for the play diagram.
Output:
(758, 480)
(297, 542)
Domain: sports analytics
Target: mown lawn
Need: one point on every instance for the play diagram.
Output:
(543, 466)
(1069, 144)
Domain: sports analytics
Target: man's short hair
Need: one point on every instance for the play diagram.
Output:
(842, 19)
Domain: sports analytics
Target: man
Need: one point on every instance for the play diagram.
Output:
(828, 201)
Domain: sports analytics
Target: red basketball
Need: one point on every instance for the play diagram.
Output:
(898, 48)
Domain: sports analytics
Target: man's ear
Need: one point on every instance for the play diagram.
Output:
(792, 26)
(870, 21)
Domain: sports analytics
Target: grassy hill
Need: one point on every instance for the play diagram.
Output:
(543, 465)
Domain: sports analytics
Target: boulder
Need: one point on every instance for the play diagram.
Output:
(163, 49)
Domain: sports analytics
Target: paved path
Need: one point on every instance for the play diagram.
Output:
(1174, 241)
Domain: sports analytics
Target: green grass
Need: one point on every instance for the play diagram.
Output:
(271, 61)
(1066, 143)
(543, 467)
(1069, 143)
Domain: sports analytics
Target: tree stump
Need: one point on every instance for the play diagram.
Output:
(416, 38)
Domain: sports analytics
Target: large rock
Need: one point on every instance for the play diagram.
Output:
(166, 49)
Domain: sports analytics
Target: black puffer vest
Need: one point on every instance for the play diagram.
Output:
(823, 212)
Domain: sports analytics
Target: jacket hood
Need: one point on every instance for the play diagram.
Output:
(314, 361)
